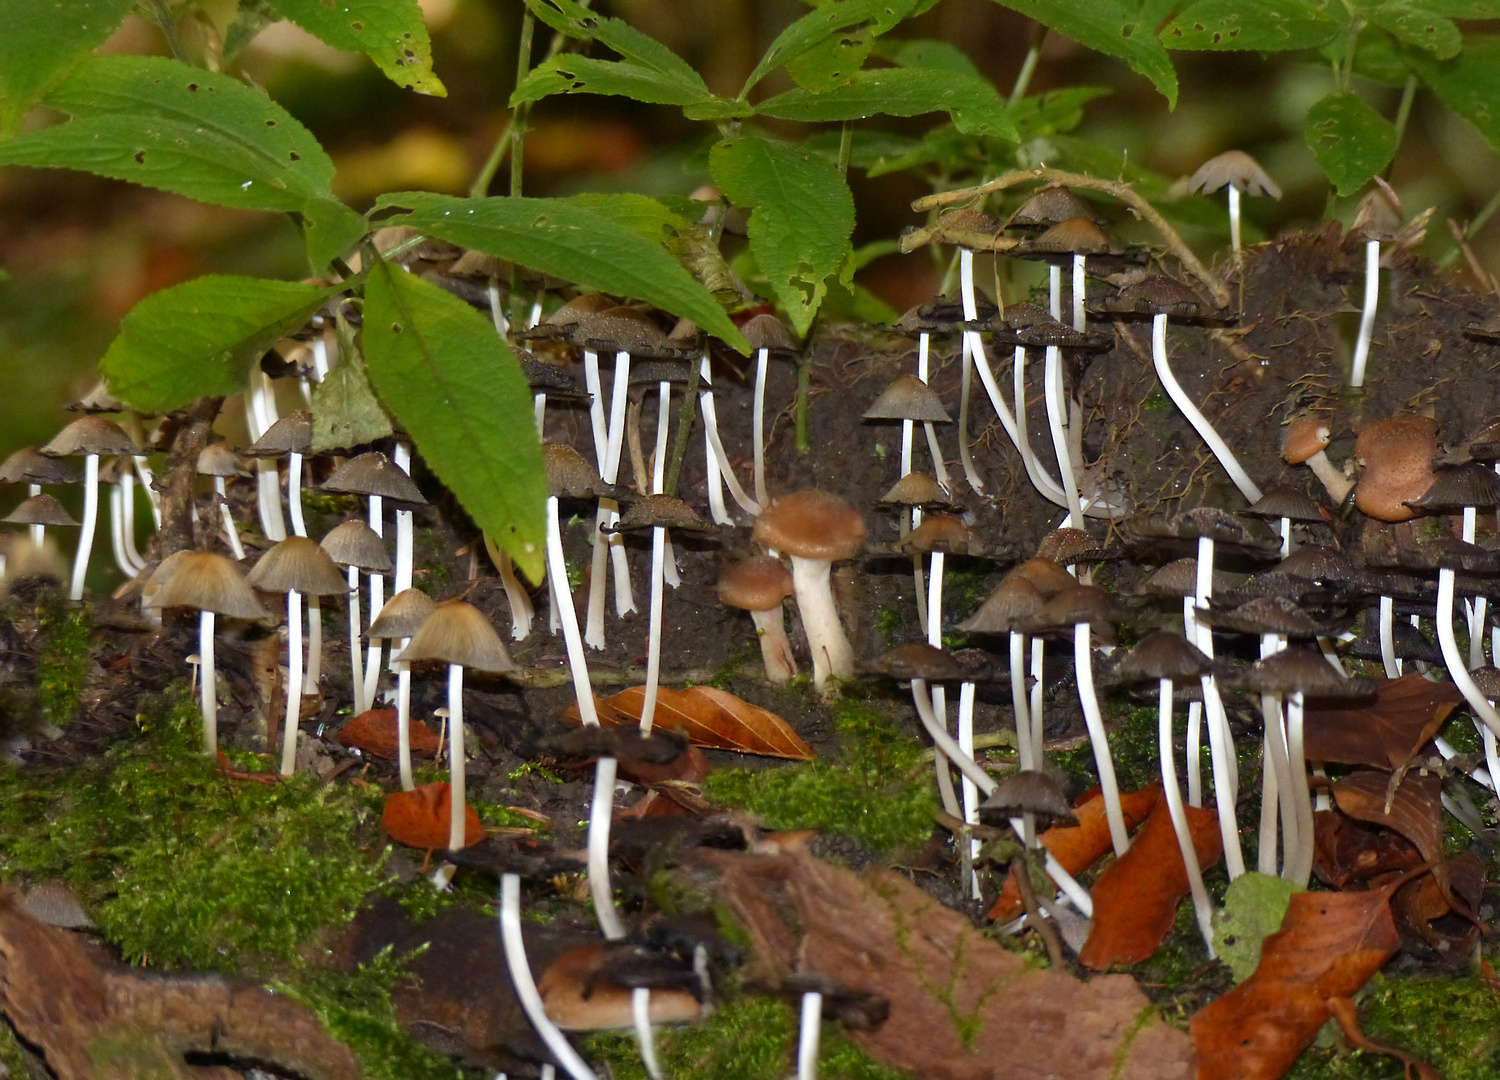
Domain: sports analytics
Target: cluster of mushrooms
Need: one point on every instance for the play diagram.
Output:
(1204, 632)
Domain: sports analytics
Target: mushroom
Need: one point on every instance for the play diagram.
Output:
(1010, 610)
(766, 334)
(815, 529)
(1240, 173)
(89, 436)
(289, 437)
(758, 585)
(356, 546)
(218, 461)
(1305, 442)
(111, 472)
(1377, 218)
(33, 468)
(1286, 505)
(400, 618)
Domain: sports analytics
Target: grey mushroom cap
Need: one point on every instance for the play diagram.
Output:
(1283, 501)
(1156, 295)
(1162, 654)
(91, 435)
(551, 379)
(1029, 791)
(1378, 216)
(653, 372)
(942, 316)
(1032, 326)
(401, 616)
(1233, 167)
(1319, 562)
(1080, 604)
(663, 512)
(39, 510)
(298, 564)
(626, 329)
(557, 324)
(766, 331)
(1293, 670)
(1012, 606)
(29, 465)
(374, 474)
(1266, 615)
(918, 660)
(918, 489)
(908, 398)
(1052, 204)
(354, 543)
(569, 475)
(292, 434)
(1459, 487)
(456, 632)
(208, 582)
(217, 459)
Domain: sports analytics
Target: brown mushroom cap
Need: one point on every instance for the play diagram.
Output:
(939, 532)
(1378, 216)
(1304, 670)
(1048, 577)
(1397, 454)
(917, 489)
(579, 996)
(759, 583)
(1157, 295)
(1049, 205)
(569, 475)
(908, 398)
(1233, 167)
(29, 465)
(374, 474)
(90, 435)
(812, 524)
(457, 632)
(216, 459)
(1029, 791)
(1012, 606)
(1304, 437)
(208, 582)
(298, 564)
(401, 616)
(39, 510)
(919, 660)
(662, 512)
(766, 331)
(1162, 654)
(292, 434)
(354, 543)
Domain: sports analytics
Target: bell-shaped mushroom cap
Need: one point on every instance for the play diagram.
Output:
(766, 331)
(812, 524)
(1282, 501)
(457, 632)
(28, 465)
(625, 329)
(292, 434)
(1079, 604)
(1157, 295)
(939, 532)
(1397, 453)
(654, 372)
(1048, 577)
(298, 563)
(39, 510)
(401, 616)
(1068, 546)
(1180, 578)
(1013, 605)
(354, 543)
(1378, 216)
(1297, 669)
(1411, 644)
(917, 489)
(1233, 167)
(373, 474)
(1304, 436)
(1029, 791)
(1049, 205)
(579, 995)
(1162, 654)
(552, 379)
(919, 660)
(1458, 487)
(1266, 615)
(759, 583)
(662, 512)
(569, 475)
(97, 400)
(941, 316)
(217, 459)
(91, 435)
(208, 582)
(1318, 562)
(1212, 523)
(908, 398)
(1075, 236)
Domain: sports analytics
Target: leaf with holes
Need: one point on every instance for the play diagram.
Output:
(1270, 26)
(802, 217)
(439, 366)
(1351, 141)
(420, 818)
(1417, 24)
(974, 104)
(583, 241)
(42, 41)
(708, 717)
(1469, 84)
(198, 339)
(390, 32)
(162, 124)
(812, 30)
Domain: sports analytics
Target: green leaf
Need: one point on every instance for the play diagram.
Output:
(1416, 24)
(41, 41)
(160, 123)
(390, 32)
(944, 145)
(580, 241)
(802, 216)
(1268, 26)
(814, 28)
(345, 410)
(1121, 28)
(1380, 59)
(585, 75)
(198, 339)
(577, 21)
(254, 16)
(925, 53)
(1351, 141)
(1254, 907)
(456, 386)
(1469, 84)
(832, 61)
(1055, 111)
(974, 104)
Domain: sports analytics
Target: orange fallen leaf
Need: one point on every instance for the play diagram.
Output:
(708, 717)
(1328, 946)
(1078, 847)
(1406, 713)
(1345, 852)
(1136, 897)
(375, 732)
(420, 818)
(1416, 811)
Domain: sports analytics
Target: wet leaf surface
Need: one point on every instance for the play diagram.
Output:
(708, 717)
(1407, 712)
(421, 818)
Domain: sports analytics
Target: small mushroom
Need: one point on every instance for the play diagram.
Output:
(758, 585)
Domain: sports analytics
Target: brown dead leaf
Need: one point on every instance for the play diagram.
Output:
(1416, 811)
(708, 717)
(420, 818)
(1328, 946)
(1343, 1011)
(1078, 847)
(1407, 713)
(1419, 909)
(961, 1006)
(375, 732)
(1136, 897)
(1345, 852)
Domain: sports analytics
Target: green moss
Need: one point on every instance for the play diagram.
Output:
(744, 1039)
(63, 659)
(873, 789)
(889, 624)
(1155, 401)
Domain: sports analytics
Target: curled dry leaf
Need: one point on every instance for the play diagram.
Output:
(1407, 712)
(375, 732)
(1348, 1021)
(1136, 897)
(1345, 852)
(1416, 811)
(420, 818)
(1419, 907)
(708, 717)
(1078, 847)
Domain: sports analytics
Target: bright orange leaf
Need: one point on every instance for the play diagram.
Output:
(420, 818)
(375, 732)
(708, 717)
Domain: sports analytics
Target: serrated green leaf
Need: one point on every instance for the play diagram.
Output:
(802, 216)
(577, 21)
(833, 61)
(1416, 24)
(198, 339)
(1268, 26)
(926, 53)
(1121, 28)
(1055, 111)
(814, 28)
(157, 122)
(585, 75)
(1469, 83)
(1351, 141)
(973, 103)
(41, 41)
(389, 32)
(1254, 907)
(345, 410)
(581, 242)
(457, 388)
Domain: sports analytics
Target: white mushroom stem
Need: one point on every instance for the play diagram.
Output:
(1234, 221)
(1202, 906)
(356, 651)
(38, 532)
(758, 425)
(1025, 746)
(607, 547)
(1038, 669)
(320, 353)
(521, 609)
(1301, 869)
(1053, 391)
(599, 815)
(944, 742)
(969, 791)
(497, 308)
(403, 725)
(525, 984)
(1080, 293)
(965, 456)
(1388, 657)
(208, 701)
(1099, 738)
(117, 532)
(1334, 482)
(90, 520)
(775, 646)
(1367, 317)
(127, 519)
(1481, 707)
(653, 647)
(1195, 753)
(716, 451)
(645, 1037)
(811, 1032)
(404, 538)
(938, 703)
(597, 423)
(659, 475)
(143, 470)
(1220, 741)
(262, 414)
(293, 682)
(1288, 788)
(539, 411)
(624, 598)
(831, 654)
(1200, 423)
(377, 601)
(939, 469)
(294, 493)
(1270, 790)
(971, 348)
(231, 533)
(1476, 633)
(458, 795)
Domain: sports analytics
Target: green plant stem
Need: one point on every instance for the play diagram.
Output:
(685, 414)
(1028, 66)
(804, 387)
(1484, 215)
(167, 23)
(846, 147)
(1403, 114)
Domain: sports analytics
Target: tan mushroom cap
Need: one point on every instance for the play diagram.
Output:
(917, 489)
(1304, 437)
(218, 460)
(1397, 454)
(1075, 236)
(1233, 167)
(766, 331)
(938, 532)
(208, 582)
(908, 398)
(1049, 205)
(90, 435)
(577, 998)
(401, 616)
(1378, 216)
(356, 544)
(39, 510)
(569, 475)
(298, 564)
(292, 434)
(457, 632)
(1012, 606)
(812, 524)
(1048, 577)
(374, 474)
(29, 465)
(759, 583)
